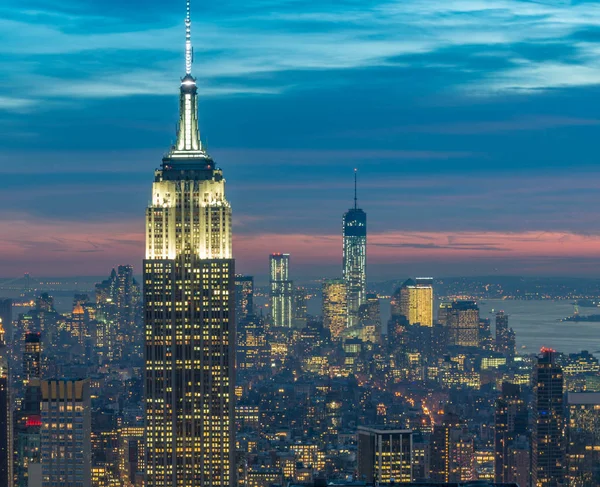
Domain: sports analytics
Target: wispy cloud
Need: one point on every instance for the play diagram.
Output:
(238, 43)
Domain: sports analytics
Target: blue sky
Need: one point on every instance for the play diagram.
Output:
(467, 119)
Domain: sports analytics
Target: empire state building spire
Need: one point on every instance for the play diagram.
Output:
(188, 143)
(189, 50)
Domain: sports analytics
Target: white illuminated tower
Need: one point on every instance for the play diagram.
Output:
(355, 258)
(189, 312)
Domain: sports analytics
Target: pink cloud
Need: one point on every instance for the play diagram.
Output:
(44, 247)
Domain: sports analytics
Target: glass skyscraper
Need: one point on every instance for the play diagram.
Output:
(189, 312)
(282, 290)
(354, 268)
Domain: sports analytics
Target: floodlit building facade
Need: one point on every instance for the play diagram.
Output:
(335, 311)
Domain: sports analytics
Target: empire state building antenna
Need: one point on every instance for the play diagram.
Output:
(189, 50)
(355, 190)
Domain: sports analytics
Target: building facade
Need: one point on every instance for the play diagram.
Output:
(66, 433)
(384, 455)
(511, 424)
(462, 321)
(583, 449)
(189, 285)
(548, 436)
(414, 301)
(335, 311)
(282, 290)
(32, 356)
(244, 297)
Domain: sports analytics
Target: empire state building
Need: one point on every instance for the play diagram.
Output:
(189, 311)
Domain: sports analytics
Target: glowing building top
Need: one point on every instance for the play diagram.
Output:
(189, 213)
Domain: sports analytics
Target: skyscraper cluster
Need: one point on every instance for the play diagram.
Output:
(206, 378)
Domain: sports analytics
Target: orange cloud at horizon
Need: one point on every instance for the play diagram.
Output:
(60, 248)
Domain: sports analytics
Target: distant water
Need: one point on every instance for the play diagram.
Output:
(537, 324)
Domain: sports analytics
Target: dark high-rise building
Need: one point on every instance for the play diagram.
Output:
(32, 356)
(583, 451)
(6, 457)
(462, 320)
(369, 316)
(6, 317)
(451, 451)
(189, 287)
(505, 337)
(511, 421)
(300, 311)
(282, 290)
(244, 297)
(548, 436)
(384, 454)
(28, 438)
(28, 420)
(354, 267)
(485, 335)
(252, 348)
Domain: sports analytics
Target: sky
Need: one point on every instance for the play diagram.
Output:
(474, 126)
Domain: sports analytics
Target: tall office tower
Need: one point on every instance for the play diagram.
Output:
(244, 297)
(189, 287)
(414, 301)
(300, 311)
(252, 349)
(511, 420)
(369, 316)
(485, 335)
(32, 356)
(583, 457)
(66, 433)
(6, 317)
(335, 311)
(548, 436)
(127, 291)
(462, 320)
(6, 457)
(450, 443)
(384, 454)
(27, 433)
(131, 453)
(79, 323)
(354, 266)
(504, 336)
(282, 290)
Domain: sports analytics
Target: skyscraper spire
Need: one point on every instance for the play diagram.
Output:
(189, 50)
(355, 190)
(189, 144)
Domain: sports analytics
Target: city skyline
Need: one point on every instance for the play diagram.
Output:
(490, 171)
